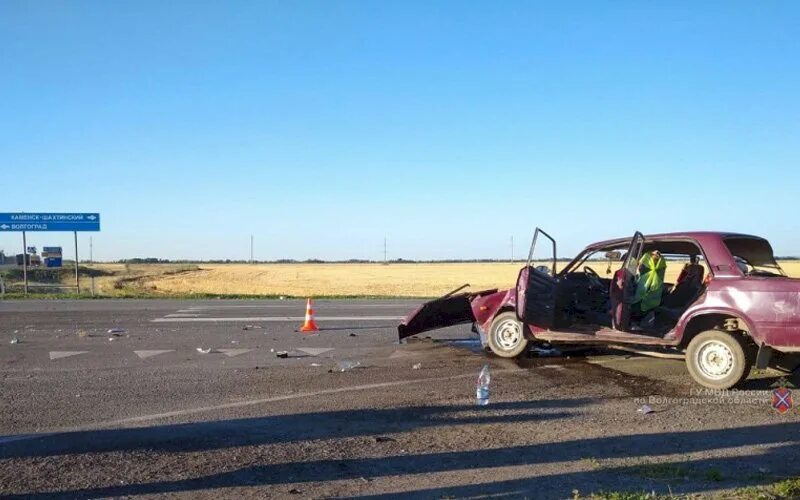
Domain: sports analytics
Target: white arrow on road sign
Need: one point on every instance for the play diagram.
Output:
(5, 226)
(91, 217)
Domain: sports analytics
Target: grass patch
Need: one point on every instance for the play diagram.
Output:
(782, 490)
(661, 472)
(623, 495)
(787, 489)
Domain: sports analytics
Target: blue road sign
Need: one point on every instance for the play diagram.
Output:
(49, 222)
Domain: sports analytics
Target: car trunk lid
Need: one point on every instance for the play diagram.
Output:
(452, 309)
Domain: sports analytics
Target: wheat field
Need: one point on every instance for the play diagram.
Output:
(315, 280)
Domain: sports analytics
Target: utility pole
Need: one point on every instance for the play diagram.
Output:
(251, 249)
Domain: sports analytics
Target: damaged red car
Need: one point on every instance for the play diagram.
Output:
(731, 307)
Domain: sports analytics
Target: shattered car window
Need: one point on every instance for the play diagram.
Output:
(753, 256)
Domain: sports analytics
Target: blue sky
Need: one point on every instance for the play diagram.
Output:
(322, 126)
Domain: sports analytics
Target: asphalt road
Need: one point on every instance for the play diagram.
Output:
(140, 411)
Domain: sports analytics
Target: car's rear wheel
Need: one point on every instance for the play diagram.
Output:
(718, 360)
(506, 337)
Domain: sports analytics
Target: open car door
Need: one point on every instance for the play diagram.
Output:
(536, 288)
(452, 309)
(623, 286)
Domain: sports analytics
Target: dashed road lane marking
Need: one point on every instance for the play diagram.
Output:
(233, 352)
(279, 319)
(64, 354)
(150, 354)
(314, 351)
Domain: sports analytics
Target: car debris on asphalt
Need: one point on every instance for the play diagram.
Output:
(645, 409)
(343, 366)
(282, 354)
(546, 352)
(116, 331)
(14, 340)
(416, 366)
(204, 351)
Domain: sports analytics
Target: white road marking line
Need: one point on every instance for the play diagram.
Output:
(278, 319)
(64, 354)
(149, 354)
(182, 315)
(254, 402)
(314, 351)
(233, 352)
(294, 305)
(240, 404)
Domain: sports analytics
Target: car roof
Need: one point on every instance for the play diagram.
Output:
(700, 236)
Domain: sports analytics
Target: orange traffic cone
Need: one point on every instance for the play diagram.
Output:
(309, 325)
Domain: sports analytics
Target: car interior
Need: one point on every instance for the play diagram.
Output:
(590, 291)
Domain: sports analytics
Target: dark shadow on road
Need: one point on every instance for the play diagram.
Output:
(684, 478)
(345, 328)
(778, 442)
(199, 436)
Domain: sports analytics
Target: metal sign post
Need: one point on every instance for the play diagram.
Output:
(24, 222)
(77, 280)
(25, 262)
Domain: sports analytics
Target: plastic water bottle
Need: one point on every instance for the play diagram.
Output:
(482, 391)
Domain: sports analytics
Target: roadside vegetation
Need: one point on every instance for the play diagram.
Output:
(274, 280)
(786, 489)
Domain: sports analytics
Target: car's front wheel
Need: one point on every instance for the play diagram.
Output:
(718, 360)
(506, 337)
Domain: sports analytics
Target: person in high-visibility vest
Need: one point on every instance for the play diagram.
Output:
(650, 284)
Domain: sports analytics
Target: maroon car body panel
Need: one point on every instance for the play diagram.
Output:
(770, 307)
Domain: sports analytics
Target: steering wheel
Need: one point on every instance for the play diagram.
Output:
(594, 278)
